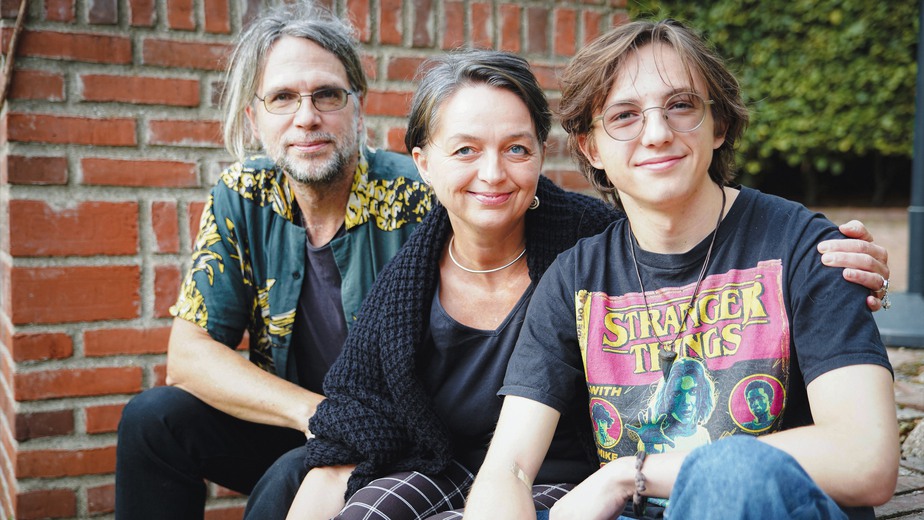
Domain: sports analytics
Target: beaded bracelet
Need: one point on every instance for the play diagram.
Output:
(639, 502)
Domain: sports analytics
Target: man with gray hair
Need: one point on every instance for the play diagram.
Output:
(289, 243)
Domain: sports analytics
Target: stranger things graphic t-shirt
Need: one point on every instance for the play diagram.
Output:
(767, 320)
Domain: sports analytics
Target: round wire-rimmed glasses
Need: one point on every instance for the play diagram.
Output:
(287, 102)
(683, 112)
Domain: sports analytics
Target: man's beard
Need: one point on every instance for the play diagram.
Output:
(321, 173)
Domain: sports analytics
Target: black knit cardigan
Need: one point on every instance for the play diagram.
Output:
(377, 413)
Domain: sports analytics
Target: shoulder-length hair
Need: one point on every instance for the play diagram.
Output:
(590, 75)
(300, 20)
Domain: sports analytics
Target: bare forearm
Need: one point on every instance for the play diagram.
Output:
(503, 488)
(222, 378)
(603, 495)
(844, 469)
(321, 494)
(498, 493)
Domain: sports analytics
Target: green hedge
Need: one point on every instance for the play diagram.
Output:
(827, 81)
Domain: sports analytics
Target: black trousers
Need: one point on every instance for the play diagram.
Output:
(169, 442)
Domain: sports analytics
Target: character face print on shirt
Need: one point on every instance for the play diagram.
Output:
(607, 423)
(756, 402)
(682, 403)
(736, 333)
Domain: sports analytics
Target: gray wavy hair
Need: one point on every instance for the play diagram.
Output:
(245, 66)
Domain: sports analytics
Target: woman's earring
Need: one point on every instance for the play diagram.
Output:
(535, 203)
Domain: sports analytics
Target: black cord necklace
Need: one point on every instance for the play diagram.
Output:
(665, 354)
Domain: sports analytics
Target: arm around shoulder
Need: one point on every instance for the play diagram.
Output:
(865, 262)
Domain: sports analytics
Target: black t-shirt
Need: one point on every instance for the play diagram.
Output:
(769, 315)
(320, 327)
(462, 368)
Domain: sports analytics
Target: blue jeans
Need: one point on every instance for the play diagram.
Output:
(741, 478)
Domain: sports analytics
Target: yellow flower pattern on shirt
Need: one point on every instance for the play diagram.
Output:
(191, 304)
(220, 245)
(388, 203)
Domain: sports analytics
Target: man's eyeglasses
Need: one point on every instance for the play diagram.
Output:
(324, 100)
(683, 112)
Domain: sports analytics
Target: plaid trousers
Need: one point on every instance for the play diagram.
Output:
(415, 496)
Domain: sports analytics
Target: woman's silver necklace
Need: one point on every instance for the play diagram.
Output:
(665, 354)
(482, 271)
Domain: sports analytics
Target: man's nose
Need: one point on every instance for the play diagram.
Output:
(307, 114)
(656, 130)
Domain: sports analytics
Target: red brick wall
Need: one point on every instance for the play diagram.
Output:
(110, 140)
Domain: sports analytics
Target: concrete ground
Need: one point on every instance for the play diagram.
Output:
(908, 502)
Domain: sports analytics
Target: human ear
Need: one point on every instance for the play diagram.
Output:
(251, 118)
(719, 135)
(588, 148)
(422, 163)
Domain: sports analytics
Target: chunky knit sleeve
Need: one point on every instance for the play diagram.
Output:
(376, 413)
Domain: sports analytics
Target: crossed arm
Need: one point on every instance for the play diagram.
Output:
(863, 426)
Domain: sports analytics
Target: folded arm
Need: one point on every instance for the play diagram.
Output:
(863, 426)
(852, 449)
(220, 377)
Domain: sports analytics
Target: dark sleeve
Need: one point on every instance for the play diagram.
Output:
(214, 294)
(546, 364)
(375, 413)
(819, 293)
(353, 425)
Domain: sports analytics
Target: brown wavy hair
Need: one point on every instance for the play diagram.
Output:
(590, 75)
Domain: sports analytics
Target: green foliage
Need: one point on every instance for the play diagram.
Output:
(825, 80)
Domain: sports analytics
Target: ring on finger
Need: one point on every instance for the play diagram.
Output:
(884, 290)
